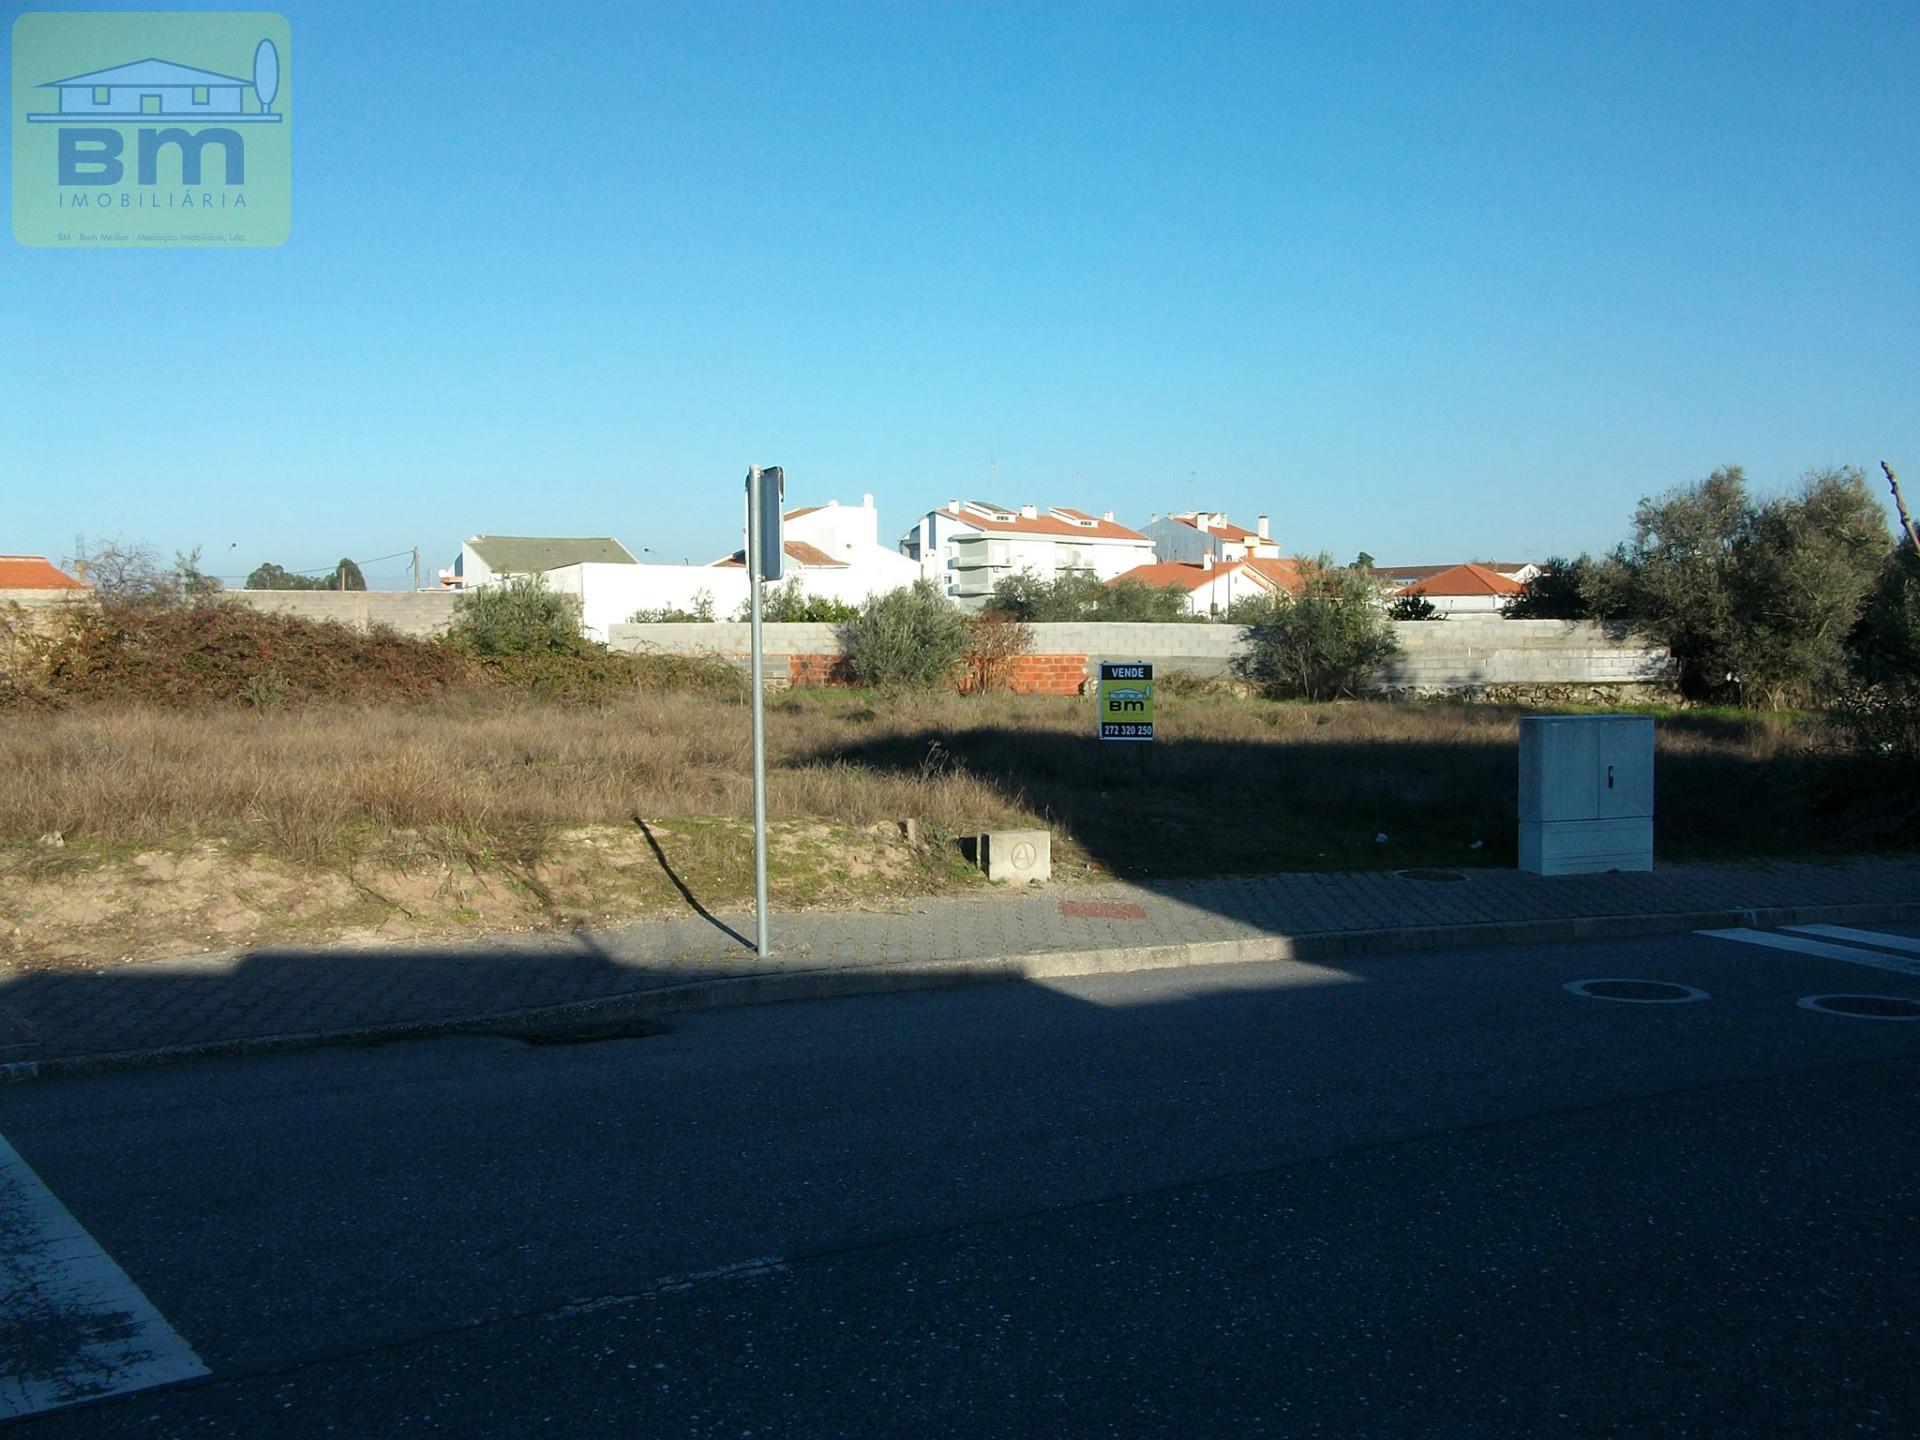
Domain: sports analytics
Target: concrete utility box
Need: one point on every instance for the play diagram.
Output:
(1017, 856)
(1586, 794)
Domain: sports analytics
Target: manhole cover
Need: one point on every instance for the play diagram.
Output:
(1864, 1007)
(1636, 992)
(1444, 876)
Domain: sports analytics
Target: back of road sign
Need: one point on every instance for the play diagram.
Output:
(768, 559)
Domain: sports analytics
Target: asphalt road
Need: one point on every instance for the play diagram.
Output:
(1431, 1195)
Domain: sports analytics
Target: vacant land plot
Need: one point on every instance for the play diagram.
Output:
(155, 829)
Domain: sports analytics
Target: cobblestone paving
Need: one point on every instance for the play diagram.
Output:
(138, 1006)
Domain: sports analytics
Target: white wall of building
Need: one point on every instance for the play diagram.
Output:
(610, 594)
(1219, 594)
(1493, 605)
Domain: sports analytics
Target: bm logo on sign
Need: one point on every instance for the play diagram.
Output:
(146, 150)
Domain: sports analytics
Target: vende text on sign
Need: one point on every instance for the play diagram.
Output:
(1125, 700)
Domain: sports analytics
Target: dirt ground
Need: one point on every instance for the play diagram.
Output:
(66, 906)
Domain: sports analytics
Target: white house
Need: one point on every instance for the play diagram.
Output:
(1466, 590)
(1191, 534)
(832, 551)
(971, 545)
(1214, 588)
(835, 550)
(490, 559)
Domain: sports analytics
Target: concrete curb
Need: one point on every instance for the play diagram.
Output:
(776, 987)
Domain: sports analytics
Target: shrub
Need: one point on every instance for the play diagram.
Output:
(1558, 592)
(1756, 602)
(1079, 595)
(214, 652)
(1328, 640)
(910, 637)
(995, 642)
(1250, 609)
(520, 617)
(700, 611)
(1413, 607)
(1886, 642)
(1882, 718)
(788, 603)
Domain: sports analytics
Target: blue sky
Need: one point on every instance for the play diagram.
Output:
(1435, 281)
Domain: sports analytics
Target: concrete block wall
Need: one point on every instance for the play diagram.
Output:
(420, 613)
(1462, 655)
(1200, 648)
(1473, 653)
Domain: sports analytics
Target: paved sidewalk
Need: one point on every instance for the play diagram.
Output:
(55, 1022)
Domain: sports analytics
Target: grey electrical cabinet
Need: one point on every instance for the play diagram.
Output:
(1586, 794)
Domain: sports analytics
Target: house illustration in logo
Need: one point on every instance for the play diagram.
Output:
(160, 89)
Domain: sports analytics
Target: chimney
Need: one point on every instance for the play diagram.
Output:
(1261, 526)
(866, 501)
(833, 504)
(1029, 512)
(953, 507)
(1107, 515)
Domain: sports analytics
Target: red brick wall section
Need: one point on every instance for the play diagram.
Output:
(815, 670)
(1049, 674)
(1032, 674)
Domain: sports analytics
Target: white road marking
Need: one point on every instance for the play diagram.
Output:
(1818, 1004)
(1860, 937)
(674, 1284)
(73, 1327)
(1824, 949)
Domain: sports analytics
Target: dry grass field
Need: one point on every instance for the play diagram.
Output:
(224, 827)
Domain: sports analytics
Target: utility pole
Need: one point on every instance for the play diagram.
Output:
(416, 567)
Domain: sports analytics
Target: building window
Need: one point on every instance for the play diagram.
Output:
(199, 94)
(102, 95)
(149, 104)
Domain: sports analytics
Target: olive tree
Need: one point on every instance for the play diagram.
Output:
(1327, 640)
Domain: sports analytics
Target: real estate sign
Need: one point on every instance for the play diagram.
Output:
(1125, 700)
(152, 129)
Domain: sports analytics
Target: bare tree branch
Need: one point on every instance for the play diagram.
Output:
(1900, 504)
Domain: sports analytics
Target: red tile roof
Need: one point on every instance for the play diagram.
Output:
(1189, 576)
(803, 510)
(1465, 580)
(35, 572)
(797, 550)
(1050, 524)
(1283, 571)
(1407, 574)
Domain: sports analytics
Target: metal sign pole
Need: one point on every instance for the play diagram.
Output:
(756, 520)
